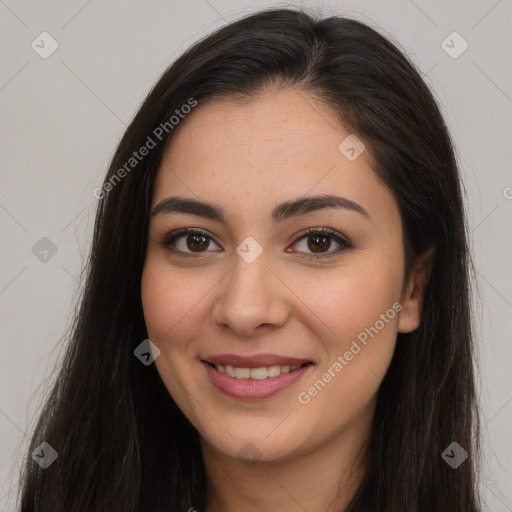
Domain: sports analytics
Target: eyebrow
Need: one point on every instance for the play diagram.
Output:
(280, 213)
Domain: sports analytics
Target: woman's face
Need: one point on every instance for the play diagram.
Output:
(248, 284)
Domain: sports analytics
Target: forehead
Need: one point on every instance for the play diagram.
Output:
(279, 145)
(272, 128)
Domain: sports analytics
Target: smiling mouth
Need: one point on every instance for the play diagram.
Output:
(260, 373)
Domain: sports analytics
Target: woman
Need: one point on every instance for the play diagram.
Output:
(276, 314)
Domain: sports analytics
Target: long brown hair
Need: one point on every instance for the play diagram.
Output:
(122, 442)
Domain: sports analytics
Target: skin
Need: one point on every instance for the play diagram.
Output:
(246, 158)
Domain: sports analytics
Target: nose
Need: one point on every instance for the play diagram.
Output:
(251, 299)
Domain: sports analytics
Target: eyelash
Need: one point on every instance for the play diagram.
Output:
(344, 243)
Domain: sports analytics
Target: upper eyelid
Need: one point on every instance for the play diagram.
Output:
(171, 237)
(178, 233)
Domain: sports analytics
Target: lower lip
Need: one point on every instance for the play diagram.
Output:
(253, 388)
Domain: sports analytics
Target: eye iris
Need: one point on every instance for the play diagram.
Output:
(317, 244)
(201, 240)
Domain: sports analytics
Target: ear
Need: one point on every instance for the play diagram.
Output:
(412, 302)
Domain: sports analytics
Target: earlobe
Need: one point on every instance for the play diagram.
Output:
(412, 302)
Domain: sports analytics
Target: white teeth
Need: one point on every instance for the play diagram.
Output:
(242, 373)
(273, 371)
(259, 373)
(255, 373)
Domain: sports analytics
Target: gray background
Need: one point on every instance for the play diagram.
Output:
(61, 118)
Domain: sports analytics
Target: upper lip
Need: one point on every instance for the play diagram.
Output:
(256, 361)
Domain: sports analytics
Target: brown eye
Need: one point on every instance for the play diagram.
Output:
(316, 243)
(197, 242)
(319, 243)
(187, 241)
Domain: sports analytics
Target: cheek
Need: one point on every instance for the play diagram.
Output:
(350, 299)
(157, 302)
(360, 308)
(170, 305)
(170, 300)
(357, 355)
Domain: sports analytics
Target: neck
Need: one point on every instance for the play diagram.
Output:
(323, 480)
